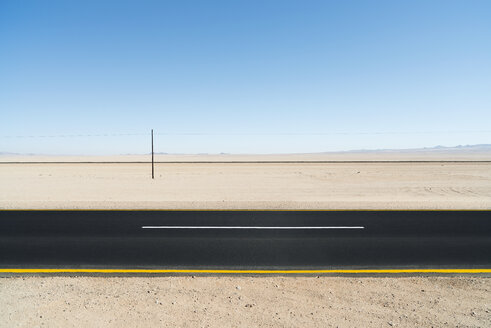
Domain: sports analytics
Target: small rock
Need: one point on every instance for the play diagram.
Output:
(390, 323)
(238, 288)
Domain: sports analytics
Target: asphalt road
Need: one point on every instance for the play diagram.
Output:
(245, 240)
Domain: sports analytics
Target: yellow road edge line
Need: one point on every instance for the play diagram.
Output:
(235, 210)
(394, 271)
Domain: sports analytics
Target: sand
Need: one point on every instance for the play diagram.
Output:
(243, 301)
(247, 186)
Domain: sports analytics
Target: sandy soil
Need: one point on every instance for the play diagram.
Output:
(251, 185)
(246, 301)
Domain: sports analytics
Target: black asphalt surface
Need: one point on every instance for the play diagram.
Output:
(116, 239)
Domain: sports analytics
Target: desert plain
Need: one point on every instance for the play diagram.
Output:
(360, 181)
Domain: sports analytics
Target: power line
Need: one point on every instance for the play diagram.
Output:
(78, 135)
(247, 134)
(319, 133)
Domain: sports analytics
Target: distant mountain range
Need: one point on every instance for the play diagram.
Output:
(459, 148)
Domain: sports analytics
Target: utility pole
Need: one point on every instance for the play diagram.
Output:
(152, 157)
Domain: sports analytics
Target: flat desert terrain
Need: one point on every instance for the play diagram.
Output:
(244, 301)
(386, 185)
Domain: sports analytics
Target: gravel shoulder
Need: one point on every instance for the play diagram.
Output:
(245, 302)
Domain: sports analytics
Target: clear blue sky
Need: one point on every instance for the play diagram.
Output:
(368, 74)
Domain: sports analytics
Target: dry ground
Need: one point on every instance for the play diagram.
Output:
(219, 185)
(246, 301)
